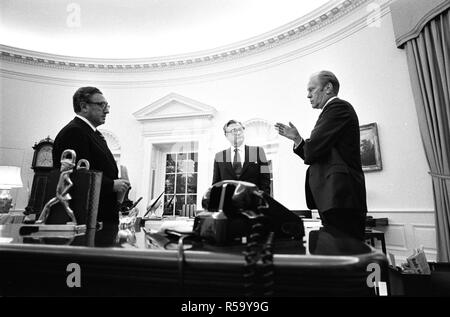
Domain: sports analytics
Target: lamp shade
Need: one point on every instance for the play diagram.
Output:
(10, 177)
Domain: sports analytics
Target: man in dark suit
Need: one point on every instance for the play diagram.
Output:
(241, 162)
(334, 181)
(82, 136)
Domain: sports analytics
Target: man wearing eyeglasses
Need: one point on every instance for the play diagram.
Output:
(82, 136)
(240, 161)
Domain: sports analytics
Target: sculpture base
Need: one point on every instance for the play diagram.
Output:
(33, 228)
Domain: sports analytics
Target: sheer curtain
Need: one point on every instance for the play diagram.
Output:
(428, 57)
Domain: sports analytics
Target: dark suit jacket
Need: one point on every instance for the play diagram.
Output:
(78, 136)
(255, 168)
(334, 179)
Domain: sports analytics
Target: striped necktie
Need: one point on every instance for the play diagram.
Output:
(237, 165)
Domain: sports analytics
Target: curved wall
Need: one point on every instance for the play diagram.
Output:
(271, 84)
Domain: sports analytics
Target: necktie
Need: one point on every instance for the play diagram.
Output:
(237, 165)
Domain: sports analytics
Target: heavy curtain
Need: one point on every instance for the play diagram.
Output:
(428, 57)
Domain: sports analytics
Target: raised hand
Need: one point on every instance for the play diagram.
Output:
(288, 131)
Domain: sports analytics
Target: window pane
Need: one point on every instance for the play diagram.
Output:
(170, 183)
(170, 163)
(186, 166)
(168, 205)
(192, 183)
(180, 165)
(191, 199)
(181, 183)
(194, 157)
(190, 166)
(180, 200)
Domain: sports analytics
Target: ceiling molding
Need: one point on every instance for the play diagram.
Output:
(293, 31)
(237, 69)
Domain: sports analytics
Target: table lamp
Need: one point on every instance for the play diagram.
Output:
(9, 178)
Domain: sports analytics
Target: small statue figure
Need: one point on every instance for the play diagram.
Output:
(68, 159)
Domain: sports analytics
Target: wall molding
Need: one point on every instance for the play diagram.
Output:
(417, 227)
(408, 230)
(260, 131)
(399, 211)
(298, 29)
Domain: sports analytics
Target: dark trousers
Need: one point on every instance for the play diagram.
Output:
(348, 221)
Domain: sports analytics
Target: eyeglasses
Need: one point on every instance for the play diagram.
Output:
(103, 105)
(236, 131)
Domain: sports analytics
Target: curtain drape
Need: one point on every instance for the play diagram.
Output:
(428, 58)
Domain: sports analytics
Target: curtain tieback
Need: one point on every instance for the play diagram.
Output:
(440, 176)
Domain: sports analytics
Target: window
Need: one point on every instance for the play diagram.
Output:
(180, 182)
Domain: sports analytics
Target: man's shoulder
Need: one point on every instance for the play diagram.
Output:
(72, 128)
(220, 153)
(339, 101)
(254, 147)
(338, 105)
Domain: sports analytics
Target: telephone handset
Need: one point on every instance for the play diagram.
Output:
(232, 206)
(234, 198)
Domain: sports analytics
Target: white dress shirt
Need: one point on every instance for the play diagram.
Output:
(296, 144)
(328, 101)
(87, 121)
(241, 151)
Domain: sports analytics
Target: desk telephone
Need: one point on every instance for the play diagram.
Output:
(233, 207)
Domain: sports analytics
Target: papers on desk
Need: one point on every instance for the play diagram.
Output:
(12, 217)
(417, 263)
(157, 238)
(180, 224)
(6, 240)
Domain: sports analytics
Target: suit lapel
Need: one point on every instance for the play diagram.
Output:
(104, 147)
(97, 141)
(246, 160)
(228, 161)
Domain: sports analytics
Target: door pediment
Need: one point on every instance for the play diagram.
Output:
(174, 106)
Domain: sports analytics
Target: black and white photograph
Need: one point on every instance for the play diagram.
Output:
(197, 150)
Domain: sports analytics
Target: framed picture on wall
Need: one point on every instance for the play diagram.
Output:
(370, 148)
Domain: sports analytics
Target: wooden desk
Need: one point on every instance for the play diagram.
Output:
(132, 263)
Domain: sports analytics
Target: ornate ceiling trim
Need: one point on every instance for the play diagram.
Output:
(294, 31)
(357, 25)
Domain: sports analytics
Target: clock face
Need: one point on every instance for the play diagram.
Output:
(44, 157)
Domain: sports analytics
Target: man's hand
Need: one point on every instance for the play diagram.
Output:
(121, 185)
(289, 132)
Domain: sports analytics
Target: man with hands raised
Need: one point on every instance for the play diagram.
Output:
(335, 184)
